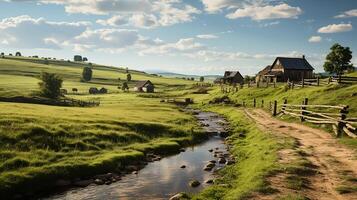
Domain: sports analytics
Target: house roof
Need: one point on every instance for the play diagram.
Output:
(141, 84)
(294, 63)
(265, 70)
(232, 74)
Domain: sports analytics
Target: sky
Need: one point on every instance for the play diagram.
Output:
(203, 37)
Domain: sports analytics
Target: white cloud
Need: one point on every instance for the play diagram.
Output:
(254, 9)
(349, 13)
(281, 11)
(335, 28)
(315, 39)
(27, 32)
(105, 39)
(207, 36)
(116, 20)
(139, 13)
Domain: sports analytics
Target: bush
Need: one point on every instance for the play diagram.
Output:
(87, 74)
(78, 58)
(18, 54)
(128, 77)
(50, 85)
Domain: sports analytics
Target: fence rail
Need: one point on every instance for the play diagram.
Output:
(335, 115)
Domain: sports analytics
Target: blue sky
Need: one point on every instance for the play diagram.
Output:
(183, 36)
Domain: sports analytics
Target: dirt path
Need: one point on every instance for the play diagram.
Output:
(336, 164)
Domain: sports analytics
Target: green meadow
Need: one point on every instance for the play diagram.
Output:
(40, 143)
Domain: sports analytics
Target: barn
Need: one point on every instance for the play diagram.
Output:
(284, 68)
(233, 77)
(144, 86)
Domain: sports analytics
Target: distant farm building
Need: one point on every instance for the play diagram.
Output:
(218, 80)
(144, 86)
(283, 69)
(233, 77)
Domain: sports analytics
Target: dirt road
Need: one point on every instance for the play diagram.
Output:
(336, 164)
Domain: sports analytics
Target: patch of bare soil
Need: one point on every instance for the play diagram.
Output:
(328, 172)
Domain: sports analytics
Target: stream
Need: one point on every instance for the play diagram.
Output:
(164, 178)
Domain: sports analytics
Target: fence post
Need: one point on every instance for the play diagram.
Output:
(284, 105)
(275, 108)
(262, 103)
(305, 102)
(329, 80)
(303, 82)
(318, 81)
(339, 124)
(243, 103)
(254, 103)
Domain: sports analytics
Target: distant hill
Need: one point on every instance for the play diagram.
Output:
(177, 75)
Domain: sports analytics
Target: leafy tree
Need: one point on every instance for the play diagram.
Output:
(87, 74)
(50, 85)
(18, 54)
(192, 78)
(125, 87)
(85, 59)
(46, 61)
(128, 77)
(127, 70)
(338, 60)
(78, 58)
(202, 79)
(2, 53)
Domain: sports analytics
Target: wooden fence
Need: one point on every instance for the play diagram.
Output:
(178, 101)
(343, 79)
(316, 114)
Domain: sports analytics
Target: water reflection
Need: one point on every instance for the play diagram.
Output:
(158, 180)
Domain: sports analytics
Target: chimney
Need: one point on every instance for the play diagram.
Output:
(303, 57)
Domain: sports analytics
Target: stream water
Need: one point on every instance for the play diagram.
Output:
(162, 179)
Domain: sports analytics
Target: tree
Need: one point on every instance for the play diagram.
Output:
(2, 53)
(87, 74)
(50, 85)
(338, 60)
(46, 62)
(202, 79)
(78, 58)
(192, 78)
(18, 54)
(127, 70)
(128, 77)
(125, 87)
(85, 59)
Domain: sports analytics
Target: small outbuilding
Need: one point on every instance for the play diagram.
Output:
(233, 77)
(144, 86)
(283, 69)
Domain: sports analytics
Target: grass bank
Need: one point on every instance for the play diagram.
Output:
(256, 153)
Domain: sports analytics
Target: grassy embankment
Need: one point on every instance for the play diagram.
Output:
(40, 144)
(257, 151)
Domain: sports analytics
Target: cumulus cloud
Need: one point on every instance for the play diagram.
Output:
(254, 9)
(139, 13)
(336, 28)
(315, 39)
(207, 36)
(281, 11)
(27, 32)
(349, 13)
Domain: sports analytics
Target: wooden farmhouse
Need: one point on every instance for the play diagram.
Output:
(283, 69)
(233, 77)
(144, 86)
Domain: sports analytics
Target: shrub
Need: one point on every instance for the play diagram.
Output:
(125, 87)
(18, 54)
(50, 85)
(128, 77)
(78, 58)
(87, 74)
(85, 59)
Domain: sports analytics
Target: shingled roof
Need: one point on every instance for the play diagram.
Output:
(265, 70)
(231, 74)
(294, 63)
(141, 84)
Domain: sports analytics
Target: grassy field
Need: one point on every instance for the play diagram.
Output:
(39, 143)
